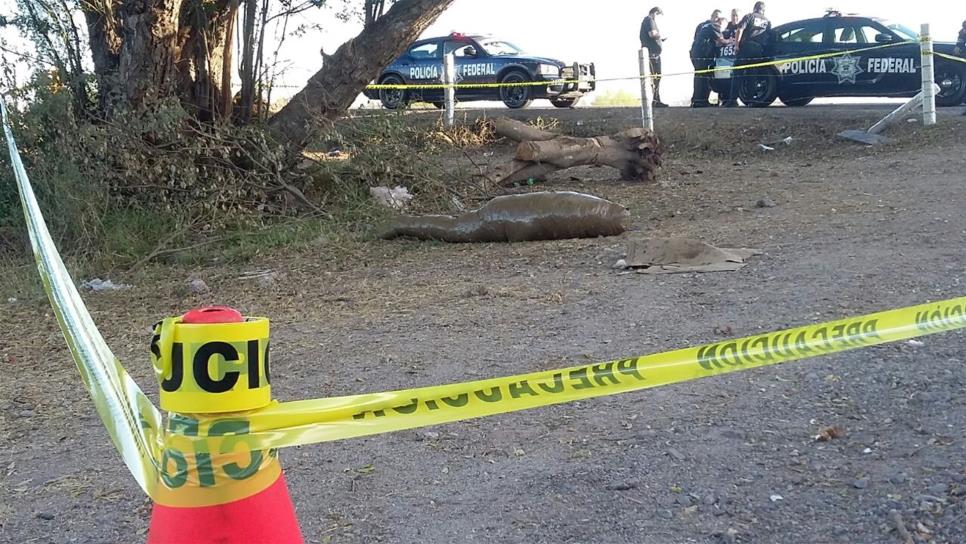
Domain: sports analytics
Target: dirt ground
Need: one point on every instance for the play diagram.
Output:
(721, 460)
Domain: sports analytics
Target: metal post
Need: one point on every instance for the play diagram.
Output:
(449, 78)
(928, 93)
(647, 91)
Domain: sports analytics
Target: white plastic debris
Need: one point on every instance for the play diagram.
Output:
(915, 343)
(765, 147)
(98, 285)
(787, 141)
(867, 450)
(397, 198)
(12, 300)
(776, 498)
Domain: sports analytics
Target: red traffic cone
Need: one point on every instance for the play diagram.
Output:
(265, 514)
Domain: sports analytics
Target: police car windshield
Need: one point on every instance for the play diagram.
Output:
(499, 48)
(903, 31)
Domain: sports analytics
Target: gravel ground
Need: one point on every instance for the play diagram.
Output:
(728, 459)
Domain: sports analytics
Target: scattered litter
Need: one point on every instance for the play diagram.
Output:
(915, 343)
(397, 198)
(766, 147)
(787, 141)
(831, 433)
(867, 450)
(98, 285)
(12, 300)
(724, 331)
(519, 452)
(675, 255)
(776, 498)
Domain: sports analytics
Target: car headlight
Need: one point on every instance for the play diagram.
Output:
(549, 70)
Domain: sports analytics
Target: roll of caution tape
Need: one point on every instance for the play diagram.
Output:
(212, 367)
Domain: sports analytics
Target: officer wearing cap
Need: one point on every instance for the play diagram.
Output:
(703, 51)
(651, 39)
(750, 41)
(961, 41)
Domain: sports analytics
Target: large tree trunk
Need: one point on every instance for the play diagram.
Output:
(148, 50)
(104, 36)
(331, 91)
(204, 58)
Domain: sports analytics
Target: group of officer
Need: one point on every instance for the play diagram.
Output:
(746, 35)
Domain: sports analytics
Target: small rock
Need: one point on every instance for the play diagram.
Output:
(624, 486)
(709, 500)
(98, 285)
(938, 489)
(676, 455)
(620, 264)
(861, 483)
(915, 344)
(666, 514)
(728, 537)
(45, 516)
(766, 202)
(897, 479)
(25, 413)
(197, 286)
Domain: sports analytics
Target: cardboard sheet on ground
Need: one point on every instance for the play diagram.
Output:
(676, 255)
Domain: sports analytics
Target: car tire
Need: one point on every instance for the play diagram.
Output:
(796, 102)
(519, 97)
(952, 85)
(393, 99)
(565, 102)
(758, 89)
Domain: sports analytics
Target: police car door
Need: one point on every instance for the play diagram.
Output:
(425, 65)
(465, 54)
(849, 68)
(801, 75)
(892, 70)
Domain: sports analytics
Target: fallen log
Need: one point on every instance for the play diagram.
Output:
(518, 218)
(637, 152)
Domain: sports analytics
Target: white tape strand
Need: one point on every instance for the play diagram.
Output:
(131, 419)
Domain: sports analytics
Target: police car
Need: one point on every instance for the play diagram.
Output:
(884, 72)
(482, 59)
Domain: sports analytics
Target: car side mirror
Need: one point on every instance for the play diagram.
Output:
(883, 38)
(469, 51)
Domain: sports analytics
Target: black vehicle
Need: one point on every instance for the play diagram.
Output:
(482, 59)
(884, 72)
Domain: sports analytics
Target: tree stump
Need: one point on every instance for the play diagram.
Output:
(636, 152)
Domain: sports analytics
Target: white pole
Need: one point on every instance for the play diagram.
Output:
(449, 78)
(928, 93)
(647, 92)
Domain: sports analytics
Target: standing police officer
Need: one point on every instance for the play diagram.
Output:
(750, 39)
(651, 39)
(961, 45)
(703, 52)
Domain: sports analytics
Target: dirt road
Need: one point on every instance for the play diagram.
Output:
(728, 459)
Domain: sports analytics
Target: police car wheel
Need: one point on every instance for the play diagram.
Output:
(758, 88)
(952, 85)
(564, 102)
(515, 97)
(392, 99)
(796, 102)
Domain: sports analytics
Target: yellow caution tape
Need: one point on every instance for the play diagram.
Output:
(950, 57)
(203, 459)
(212, 367)
(557, 82)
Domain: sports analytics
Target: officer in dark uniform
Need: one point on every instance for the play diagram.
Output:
(651, 39)
(703, 52)
(714, 17)
(751, 38)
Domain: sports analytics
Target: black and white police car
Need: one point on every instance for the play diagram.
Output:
(482, 59)
(884, 72)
